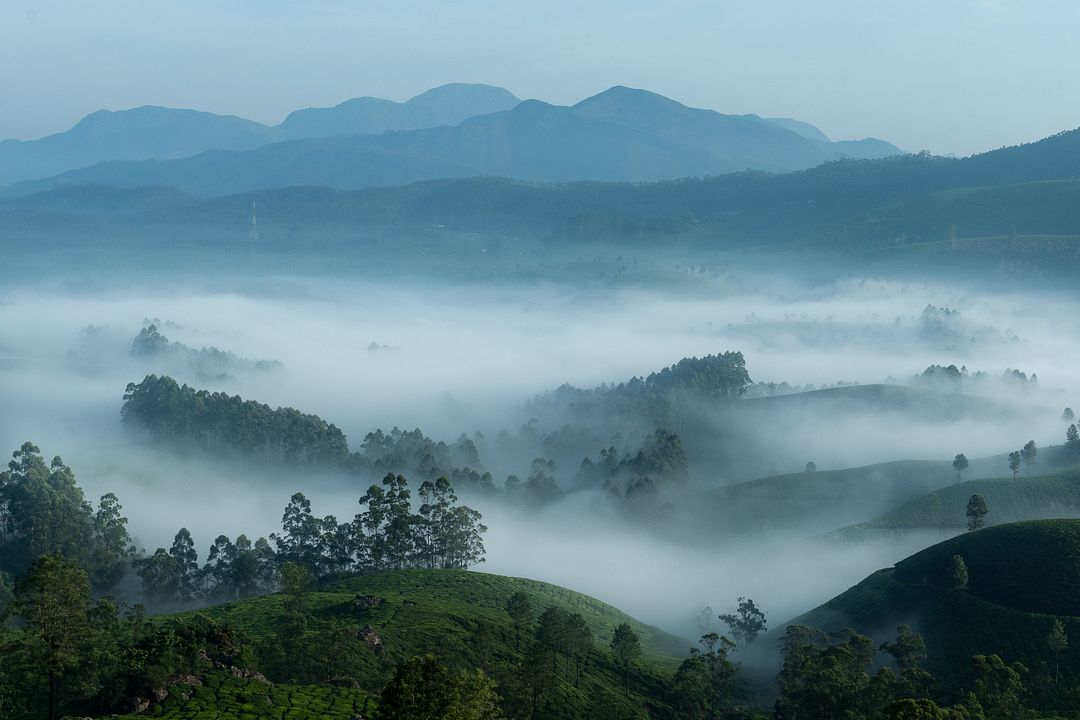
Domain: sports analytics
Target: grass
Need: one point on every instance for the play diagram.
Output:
(224, 697)
(1049, 496)
(1023, 576)
(433, 611)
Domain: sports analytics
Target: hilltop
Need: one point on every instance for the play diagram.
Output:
(622, 134)
(401, 614)
(1022, 576)
(1037, 497)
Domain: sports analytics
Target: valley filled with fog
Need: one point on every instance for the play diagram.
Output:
(451, 359)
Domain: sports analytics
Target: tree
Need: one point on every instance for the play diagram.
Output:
(579, 643)
(960, 464)
(53, 599)
(909, 651)
(1068, 415)
(1028, 453)
(746, 623)
(423, 689)
(1058, 642)
(520, 611)
(553, 631)
(811, 467)
(824, 676)
(627, 649)
(1014, 462)
(957, 574)
(1072, 437)
(186, 559)
(998, 687)
(976, 512)
(701, 688)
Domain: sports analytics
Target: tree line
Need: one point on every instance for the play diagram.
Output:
(43, 513)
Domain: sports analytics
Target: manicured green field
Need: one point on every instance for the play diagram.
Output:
(437, 612)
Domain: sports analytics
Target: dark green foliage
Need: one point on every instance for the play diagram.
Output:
(956, 575)
(43, 512)
(626, 647)
(702, 688)
(64, 637)
(976, 512)
(520, 611)
(222, 423)
(424, 689)
(824, 677)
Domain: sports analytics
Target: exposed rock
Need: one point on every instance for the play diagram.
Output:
(371, 639)
(140, 705)
(245, 674)
(366, 602)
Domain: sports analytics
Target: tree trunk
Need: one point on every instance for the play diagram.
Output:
(52, 695)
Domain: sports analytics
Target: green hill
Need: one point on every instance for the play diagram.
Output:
(1022, 577)
(898, 495)
(420, 612)
(1040, 497)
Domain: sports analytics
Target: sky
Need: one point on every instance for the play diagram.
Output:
(959, 76)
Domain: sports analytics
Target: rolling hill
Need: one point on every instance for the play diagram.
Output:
(414, 612)
(1023, 576)
(1040, 497)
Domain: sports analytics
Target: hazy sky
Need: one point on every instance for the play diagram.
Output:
(945, 75)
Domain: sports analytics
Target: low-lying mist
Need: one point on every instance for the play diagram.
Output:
(451, 360)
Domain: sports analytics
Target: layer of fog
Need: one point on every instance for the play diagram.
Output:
(454, 360)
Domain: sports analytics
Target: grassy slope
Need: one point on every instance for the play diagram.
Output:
(436, 611)
(1022, 576)
(1055, 495)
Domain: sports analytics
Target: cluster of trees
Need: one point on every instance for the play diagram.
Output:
(43, 512)
(386, 535)
(828, 676)
(661, 399)
(77, 654)
(206, 363)
(219, 422)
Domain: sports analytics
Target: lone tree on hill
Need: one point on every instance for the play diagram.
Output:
(1068, 415)
(1072, 437)
(976, 512)
(1057, 641)
(811, 466)
(627, 649)
(1028, 452)
(957, 575)
(960, 464)
(746, 623)
(1014, 462)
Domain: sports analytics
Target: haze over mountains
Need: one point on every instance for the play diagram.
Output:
(452, 131)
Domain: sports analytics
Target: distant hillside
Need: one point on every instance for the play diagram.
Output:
(619, 135)
(1022, 576)
(136, 134)
(1009, 500)
(444, 105)
(158, 133)
(437, 611)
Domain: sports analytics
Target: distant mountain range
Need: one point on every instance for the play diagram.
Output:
(453, 131)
